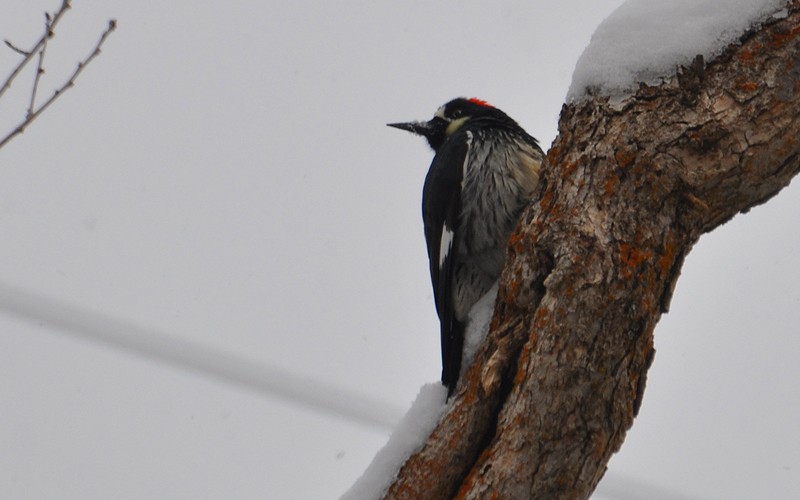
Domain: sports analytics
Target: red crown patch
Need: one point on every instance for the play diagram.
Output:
(479, 102)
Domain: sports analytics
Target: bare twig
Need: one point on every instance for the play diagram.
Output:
(112, 25)
(29, 54)
(16, 49)
(40, 65)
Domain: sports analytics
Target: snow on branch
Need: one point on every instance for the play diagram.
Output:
(645, 40)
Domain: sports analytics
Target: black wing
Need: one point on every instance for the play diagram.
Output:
(441, 206)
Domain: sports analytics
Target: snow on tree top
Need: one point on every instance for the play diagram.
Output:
(644, 40)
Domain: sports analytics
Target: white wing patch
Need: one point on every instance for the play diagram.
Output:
(445, 244)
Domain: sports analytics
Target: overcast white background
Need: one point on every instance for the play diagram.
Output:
(222, 175)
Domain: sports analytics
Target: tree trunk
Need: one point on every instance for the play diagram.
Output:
(630, 188)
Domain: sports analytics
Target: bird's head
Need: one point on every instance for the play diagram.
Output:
(448, 119)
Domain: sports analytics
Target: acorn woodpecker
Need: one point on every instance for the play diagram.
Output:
(484, 172)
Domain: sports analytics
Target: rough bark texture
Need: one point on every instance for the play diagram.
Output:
(630, 188)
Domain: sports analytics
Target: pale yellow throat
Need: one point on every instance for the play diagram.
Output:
(455, 125)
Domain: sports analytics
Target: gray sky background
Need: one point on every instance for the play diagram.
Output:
(223, 174)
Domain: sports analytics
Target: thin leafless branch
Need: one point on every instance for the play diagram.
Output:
(65, 5)
(40, 65)
(16, 49)
(34, 113)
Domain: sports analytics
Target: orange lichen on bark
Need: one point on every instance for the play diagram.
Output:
(631, 257)
(780, 39)
(517, 242)
(523, 361)
(746, 85)
(667, 257)
(513, 290)
(749, 55)
(610, 185)
(624, 157)
(569, 169)
(546, 200)
(553, 154)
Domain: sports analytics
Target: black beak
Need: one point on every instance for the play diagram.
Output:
(419, 128)
(435, 130)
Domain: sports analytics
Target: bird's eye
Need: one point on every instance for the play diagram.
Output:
(457, 113)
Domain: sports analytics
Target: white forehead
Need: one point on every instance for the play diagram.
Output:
(439, 112)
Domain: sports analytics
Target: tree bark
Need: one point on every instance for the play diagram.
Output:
(629, 189)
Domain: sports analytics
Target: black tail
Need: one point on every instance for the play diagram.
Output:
(452, 350)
